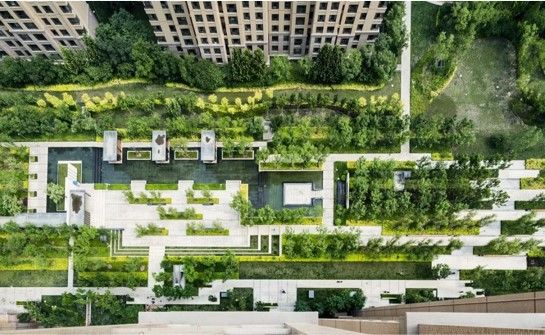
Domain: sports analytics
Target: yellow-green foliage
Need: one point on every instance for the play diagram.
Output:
(532, 183)
(535, 164)
(54, 101)
(99, 104)
(442, 156)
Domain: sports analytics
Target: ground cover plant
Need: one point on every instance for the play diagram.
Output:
(525, 225)
(430, 197)
(237, 299)
(198, 228)
(13, 180)
(497, 282)
(171, 213)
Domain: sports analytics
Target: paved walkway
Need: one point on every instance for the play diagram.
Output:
(156, 256)
(406, 72)
(38, 185)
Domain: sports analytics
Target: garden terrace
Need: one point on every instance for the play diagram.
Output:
(253, 250)
(431, 195)
(237, 299)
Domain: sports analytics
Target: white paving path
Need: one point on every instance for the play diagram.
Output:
(406, 72)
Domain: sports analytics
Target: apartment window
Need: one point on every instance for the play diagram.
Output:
(298, 41)
(217, 50)
(349, 20)
(219, 60)
(300, 21)
(332, 18)
(172, 28)
(157, 28)
(344, 41)
(152, 17)
(375, 26)
(286, 48)
(319, 30)
(334, 5)
(73, 20)
(286, 28)
(274, 28)
(378, 16)
(66, 8)
(204, 40)
(363, 16)
(12, 3)
(64, 32)
(179, 48)
(236, 41)
(14, 25)
(316, 50)
(274, 17)
(301, 9)
(286, 38)
(287, 17)
(186, 32)
(147, 4)
(201, 30)
(49, 47)
(215, 40)
(366, 4)
(19, 53)
(210, 18)
(299, 31)
(318, 40)
(182, 20)
(56, 21)
(234, 31)
(168, 17)
(259, 27)
(259, 16)
(274, 48)
(359, 27)
(233, 20)
(258, 4)
(47, 9)
(72, 43)
(371, 38)
(195, 5)
(352, 8)
(24, 37)
(6, 15)
(323, 5)
(207, 5)
(178, 9)
(176, 38)
(161, 39)
(37, 9)
(275, 5)
(246, 16)
(212, 30)
(206, 51)
(260, 37)
(21, 14)
(245, 4)
(55, 32)
(347, 31)
(81, 32)
(330, 30)
(382, 4)
(188, 42)
(298, 51)
(10, 43)
(321, 18)
(274, 38)
(231, 8)
(198, 18)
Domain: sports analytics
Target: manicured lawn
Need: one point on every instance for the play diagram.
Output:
(481, 90)
(335, 270)
(33, 278)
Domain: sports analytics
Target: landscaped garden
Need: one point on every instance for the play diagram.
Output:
(13, 179)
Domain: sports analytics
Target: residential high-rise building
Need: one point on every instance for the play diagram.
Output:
(212, 29)
(29, 28)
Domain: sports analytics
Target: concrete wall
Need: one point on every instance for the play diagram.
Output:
(533, 302)
(363, 326)
(486, 320)
(226, 318)
(463, 330)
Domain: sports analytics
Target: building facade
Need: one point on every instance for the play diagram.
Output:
(212, 29)
(29, 28)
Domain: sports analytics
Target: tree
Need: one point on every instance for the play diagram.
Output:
(327, 66)
(55, 192)
(351, 64)
(378, 63)
(246, 66)
(394, 27)
(280, 69)
(414, 295)
(441, 271)
(206, 75)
